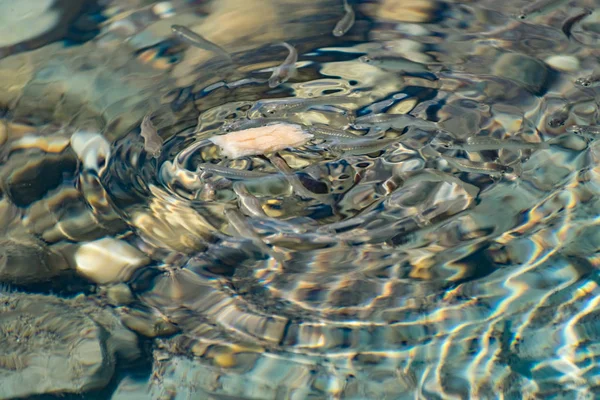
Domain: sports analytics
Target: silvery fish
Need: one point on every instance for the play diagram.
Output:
(361, 146)
(281, 165)
(393, 63)
(584, 130)
(568, 24)
(346, 22)
(286, 70)
(243, 228)
(385, 121)
(486, 143)
(231, 173)
(589, 81)
(241, 124)
(325, 132)
(279, 107)
(559, 117)
(152, 141)
(196, 40)
(492, 169)
(247, 201)
(537, 7)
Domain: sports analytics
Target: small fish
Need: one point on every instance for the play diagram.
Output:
(325, 132)
(187, 152)
(487, 143)
(589, 81)
(537, 7)
(385, 121)
(393, 63)
(568, 24)
(240, 224)
(152, 141)
(282, 166)
(344, 24)
(247, 201)
(584, 130)
(190, 37)
(280, 107)
(241, 124)
(559, 117)
(231, 173)
(492, 169)
(361, 146)
(286, 70)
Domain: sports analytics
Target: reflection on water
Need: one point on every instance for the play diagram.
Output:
(409, 211)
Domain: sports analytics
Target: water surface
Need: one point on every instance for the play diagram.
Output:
(437, 238)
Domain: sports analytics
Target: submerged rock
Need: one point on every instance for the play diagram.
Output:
(56, 346)
(525, 70)
(108, 260)
(49, 347)
(120, 341)
(25, 259)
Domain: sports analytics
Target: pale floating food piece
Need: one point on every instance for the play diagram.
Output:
(108, 260)
(262, 140)
(49, 347)
(92, 149)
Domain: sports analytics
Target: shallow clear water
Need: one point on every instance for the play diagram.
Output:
(431, 234)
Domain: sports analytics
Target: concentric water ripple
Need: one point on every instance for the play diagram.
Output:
(434, 236)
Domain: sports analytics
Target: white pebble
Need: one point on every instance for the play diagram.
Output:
(563, 63)
(92, 149)
(108, 260)
(261, 140)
